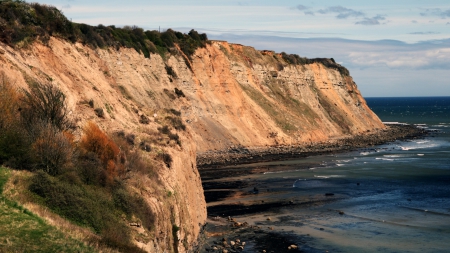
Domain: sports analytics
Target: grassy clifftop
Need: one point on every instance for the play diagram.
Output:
(22, 23)
(23, 231)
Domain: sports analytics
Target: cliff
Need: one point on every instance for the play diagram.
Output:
(241, 96)
(228, 94)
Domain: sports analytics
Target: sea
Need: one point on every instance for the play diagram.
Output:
(389, 198)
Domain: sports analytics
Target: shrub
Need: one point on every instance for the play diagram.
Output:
(164, 130)
(96, 141)
(170, 71)
(179, 93)
(170, 94)
(166, 158)
(9, 106)
(15, 148)
(99, 112)
(45, 102)
(294, 59)
(175, 137)
(90, 169)
(14, 143)
(145, 146)
(176, 123)
(52, 150)
(22, 23)
(174, 112)
(144, 119)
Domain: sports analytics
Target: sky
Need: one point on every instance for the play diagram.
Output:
(392, 48)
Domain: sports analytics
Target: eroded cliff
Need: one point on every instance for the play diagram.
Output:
(243, 96)
(228, 94)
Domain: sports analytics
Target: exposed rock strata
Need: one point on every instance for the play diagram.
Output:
(233, 96)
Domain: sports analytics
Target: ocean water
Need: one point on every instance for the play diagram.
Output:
(389, 198)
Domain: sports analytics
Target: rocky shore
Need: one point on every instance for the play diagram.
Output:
(244, 155)
(226, 233)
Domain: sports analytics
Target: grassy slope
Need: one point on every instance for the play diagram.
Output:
(22, 231)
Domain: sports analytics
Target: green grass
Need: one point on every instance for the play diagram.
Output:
(22, 231)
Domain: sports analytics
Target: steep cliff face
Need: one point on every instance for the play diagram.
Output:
(244, 96)
(228, 95)
(128, 88)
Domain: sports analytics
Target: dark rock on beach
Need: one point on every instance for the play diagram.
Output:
(243, 155)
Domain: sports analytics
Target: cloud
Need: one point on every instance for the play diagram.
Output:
(436, 12)
(302, 7)
(305, 9)
(424, 33)
(67, 6)
(414, 21)
(422, 59)
(406, 56)
(342, 12)
(371, 21)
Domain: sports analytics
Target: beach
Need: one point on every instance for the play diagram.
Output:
(248, 201)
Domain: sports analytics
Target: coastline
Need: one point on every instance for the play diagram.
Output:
(214, 159)
(224, 182)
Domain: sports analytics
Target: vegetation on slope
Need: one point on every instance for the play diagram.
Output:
(329, 63)
(22, 23)
(22, 231)
(84, 181)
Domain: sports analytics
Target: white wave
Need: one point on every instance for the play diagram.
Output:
(393, 156)
(343, 161)
(340, 164)
(278, 172)
(384, 159)
(420, 154)
(364, 153)
(328, 176)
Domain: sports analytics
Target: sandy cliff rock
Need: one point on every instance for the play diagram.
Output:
(234, 95)
(243, 96)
